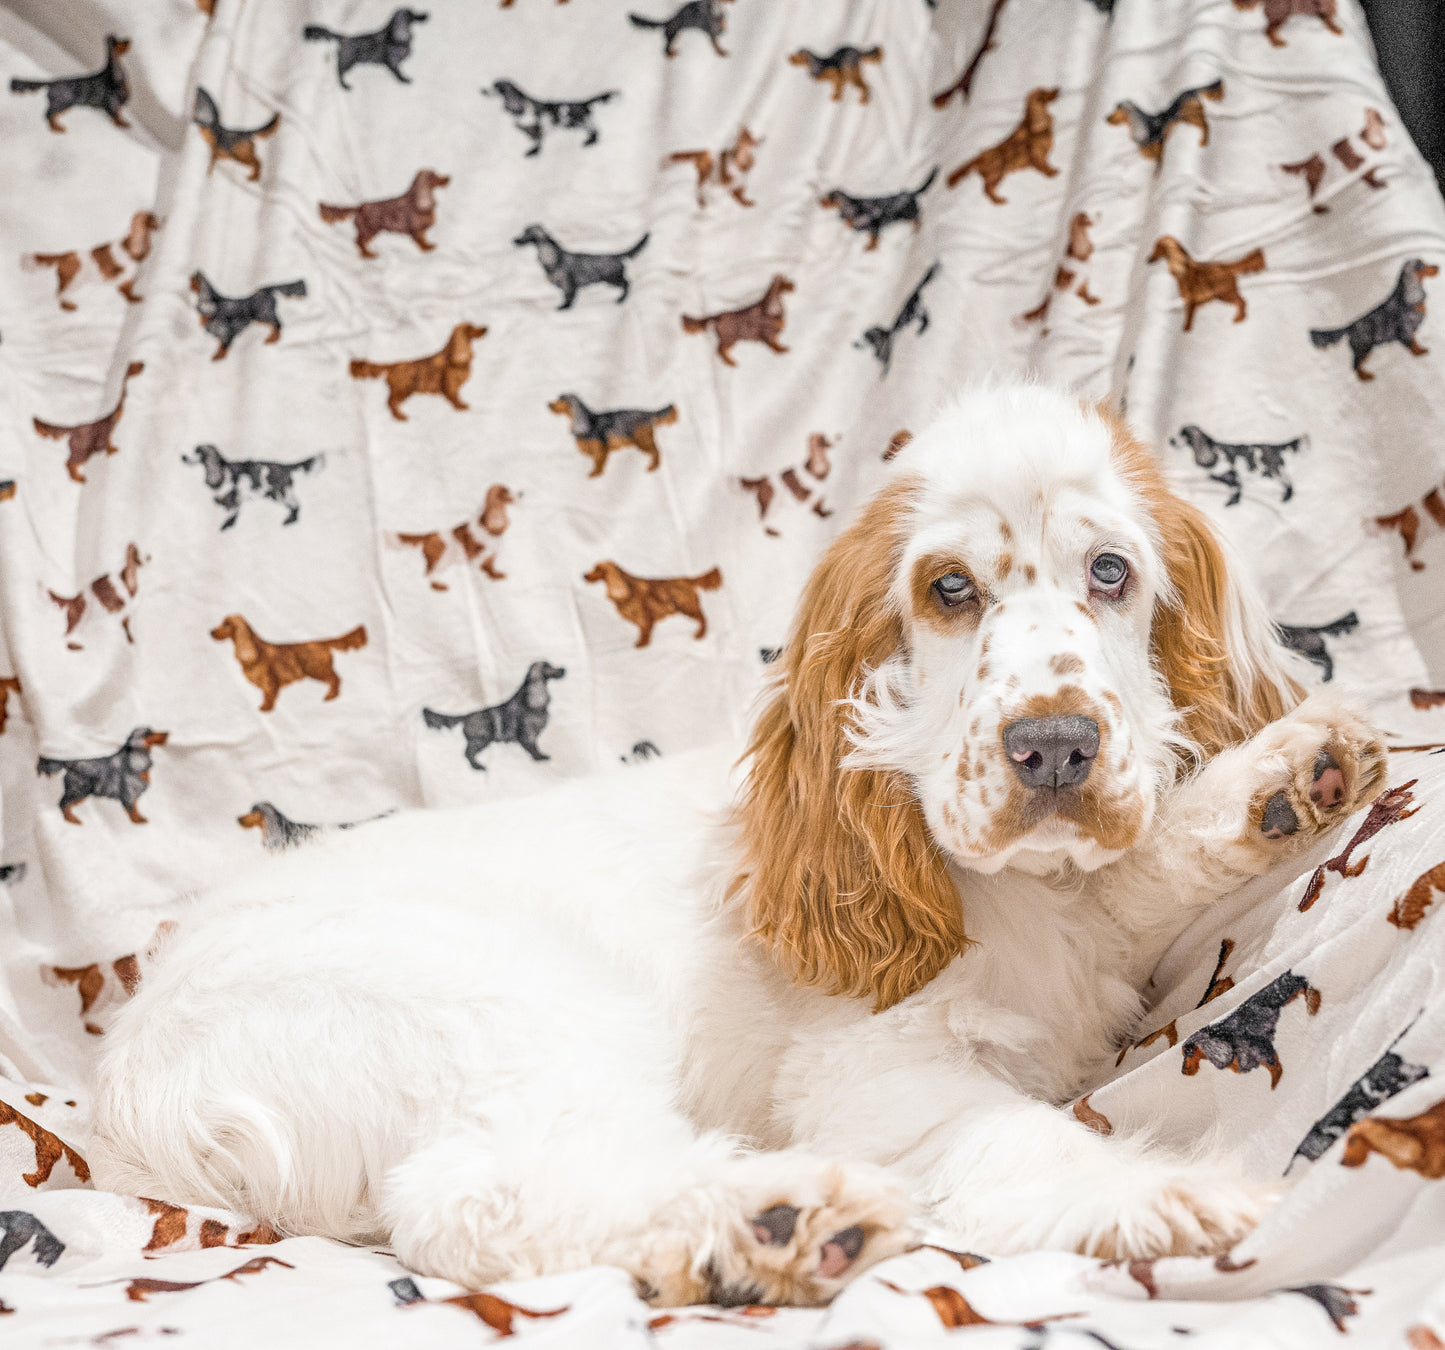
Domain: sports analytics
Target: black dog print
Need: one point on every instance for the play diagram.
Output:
(389, 46)
(707, 16)
(280, 832)
(1337, 1301)
(881, 339)
(12, 874)
(1150, 130)
(17, 1228)
(520, 719)
(1244, 1039)
(1382, 1080)
(569, 272)
(534, 115)
(123, 775)
(230, 142)
(1267, 460)
(1310, 642)
(226, 317)
(1393, 320)
(869, 215)
(640, 753)
(229, 479)
(106, 89)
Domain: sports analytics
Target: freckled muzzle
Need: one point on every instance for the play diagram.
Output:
(1052, 752)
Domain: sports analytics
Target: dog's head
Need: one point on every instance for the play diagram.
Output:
(143, 738)
(115, 46)
(1004, 661)
(1420, 269)
(1171, 250)
(431, 179)
(228, 628)
(565, 405)
(533, 234)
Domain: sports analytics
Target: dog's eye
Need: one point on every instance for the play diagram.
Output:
(954, 589)
(1107, 574)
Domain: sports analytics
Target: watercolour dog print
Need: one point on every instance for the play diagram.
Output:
(840, 69)
(518, 720)
(413, 213)
(232, 480)
(112, 595)
(460, 545)
(762, 321)
(871, 215)
(107, 89)
(1394, 319)
(599, 433)
(703, 16)
(116, 262)
(569, 272)
(443, 372)
(728, 169)
(533, 116)
(234, 143)
(89, 438)
(226, 317)
(122, 776)
(388, 46)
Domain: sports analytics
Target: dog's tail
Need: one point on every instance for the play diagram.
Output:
(1213, 91)
(266, 128)
(367, 370)
(962, 172)
(33, 262)
(665, 417)
(49, 429)
(30, 86)
(691, 325)
(331, 214)
(926, 183)
(347, 642)
(872, 54)
(49, 766)
(441, 721)
(637, 19)
(1346, 623)
(313, 465)
(314, 32)
(1327, 337)
(599, 98)
(288, 288)
(1251, 262)
(637, 247)
(708, 581)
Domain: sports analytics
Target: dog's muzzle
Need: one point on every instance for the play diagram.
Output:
(1052, 752)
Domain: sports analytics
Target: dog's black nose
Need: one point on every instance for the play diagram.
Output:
(1052, 752)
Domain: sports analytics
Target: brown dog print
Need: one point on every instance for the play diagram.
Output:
(1027, 146)
(100, 990)
(963, 86)
(171, 1231)
(1277, 11)
(645, 600)
(761, 321)
(1389, 808)
(815, 466)
(1150, 131)
(1409, 523)
(9, 684)
(1410, 908)
(728, 169)
(1416, 1143)
(413, 213)
(1314, 169)
(599, 433)
(1077, 252)
(116, 261)
(460, 546)
(444, 372)
(271, 666)
(139, 1290)
(90, 438)
(49, 1148)
(111, 592)
(842, 68)
(1201, 282)
(234, 143)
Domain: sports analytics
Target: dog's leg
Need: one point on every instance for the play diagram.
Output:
(623, 286)
(67, 805)
(397, 395)
(231, 501)
(473, 750)
(772, 341)
(275, 327)
(645, 442)
(1413, 343)
(723, 348)
(133, 811)
(569, 293)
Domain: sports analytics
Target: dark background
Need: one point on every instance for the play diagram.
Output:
(1410, 39)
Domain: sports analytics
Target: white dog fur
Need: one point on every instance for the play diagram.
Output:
(739, 1050)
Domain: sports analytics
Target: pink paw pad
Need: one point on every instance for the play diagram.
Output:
(840, 1251)
(1329, 784)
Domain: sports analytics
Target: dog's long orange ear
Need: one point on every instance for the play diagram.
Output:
(840, 877)
(1212, 640)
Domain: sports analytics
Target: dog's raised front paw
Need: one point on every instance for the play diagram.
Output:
(1196, 1211)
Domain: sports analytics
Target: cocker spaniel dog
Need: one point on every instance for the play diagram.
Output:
(741, 1031)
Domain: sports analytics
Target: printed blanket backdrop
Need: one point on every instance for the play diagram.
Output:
(407, 408)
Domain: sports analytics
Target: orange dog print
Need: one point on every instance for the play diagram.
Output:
(1201, 282)
(459, 545)
(1027, 146)
(645, 600)
(442, 373)
(737, 159)
(1416, 1143)
(271, 666)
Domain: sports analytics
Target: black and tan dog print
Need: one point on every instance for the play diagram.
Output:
(233, 143)
(388, 46)
(569, 272)
(1337, 1301)
(106, 89)
(1219, 984)
(226, 317)
(1150, 131)
(704, 16)
(517, 720)
(794, 478)
(89, 438)
(1223, 460)
(1077, 252)
(1243, 1040)
(599, 433)
(1314, 168)
(871, 215)
(533, 116)
(460, 545)
(413, 213)
(123, 776)
(1394, 319)
(230, 480)
(279, 832)
(1410, 524)
(840, 68)
(20, 1229)
(112, 593)
(115, 262)
(1309, 640)
(912, 311)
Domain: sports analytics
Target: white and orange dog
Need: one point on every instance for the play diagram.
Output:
(1027, 725)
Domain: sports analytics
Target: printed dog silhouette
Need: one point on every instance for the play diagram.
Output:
(1201, 282)
(1277, 11)
(135, 247)
(1387, 1076)
(9, 684)
(738, 159)
(388, 46)
(963, 86)
(1243, 1040)
(123, 775)
(110, 596)
(230, 479)
(444, 372)
(230, 142)
(1337, 1301)
(1310, 641)
(49, 1148)
(1219, 984)
(1258, 457)
(1408, 522)
(842, 68)
(89, 438)
(139, 1290)
(707, 16)
(496, 1313)
(569, 272)
(1389, 808)
(18, 1228)
(1313, 169)
(413, 213)
(599, 433)
(869, 215)
(279, 832)
(1027, 146)
(1410, 908)
(564, 115)
(459, 546)
(913, 311)
(1415, 1142)
(815, 466)
(226, 317)
(645, 600)
(1394, 319)
(106, 89)
(104, 988)
(271, 666)
(519, 719)
(1151, 130)
(1078, 250)
(761, 321)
